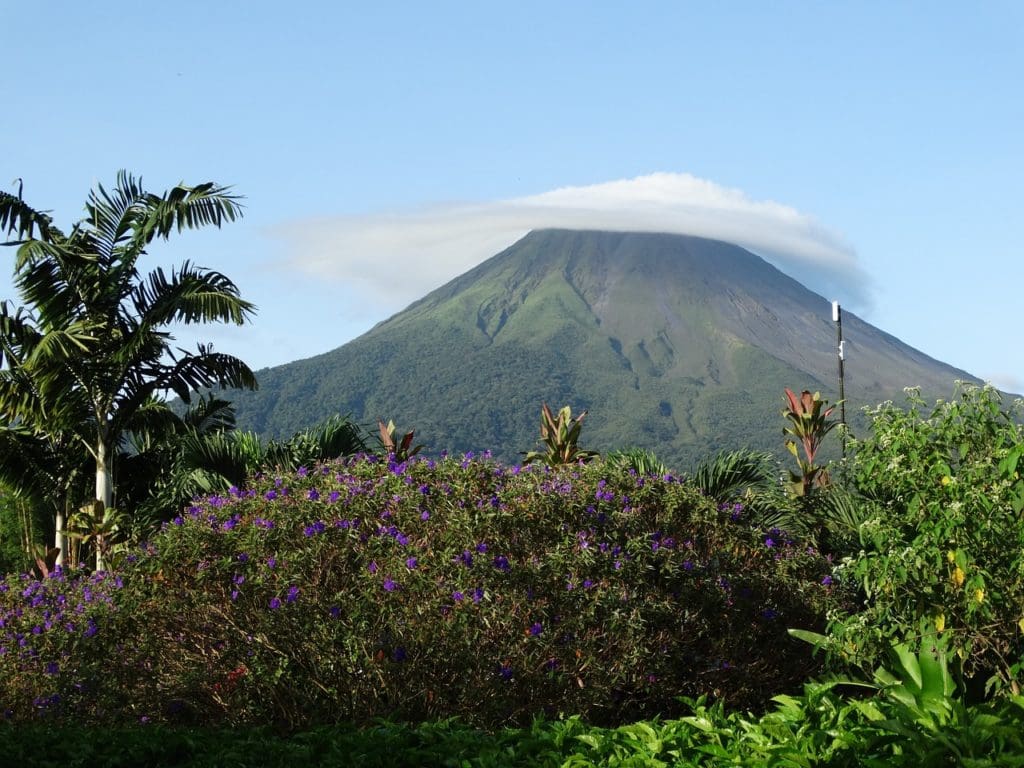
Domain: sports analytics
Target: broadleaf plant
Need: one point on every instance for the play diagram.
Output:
(397, 450)
(809, 422)
(560, 437)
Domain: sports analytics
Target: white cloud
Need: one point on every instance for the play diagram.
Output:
(1007, 382)
(395, 258)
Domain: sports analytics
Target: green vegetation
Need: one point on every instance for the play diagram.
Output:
(278, 601)
(643, 619)
(88, 353)
(424, 590)
(561, 438)
(939, 551)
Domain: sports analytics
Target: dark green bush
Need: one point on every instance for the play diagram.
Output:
(424, 590)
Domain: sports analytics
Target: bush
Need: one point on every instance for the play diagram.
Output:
(422, 590)
(942, 552)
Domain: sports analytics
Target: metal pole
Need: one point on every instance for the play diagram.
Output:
(837, 317)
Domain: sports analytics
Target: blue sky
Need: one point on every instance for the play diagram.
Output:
(873, 150)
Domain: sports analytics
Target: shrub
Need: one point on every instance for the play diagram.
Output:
(423, 590)
(942, 553)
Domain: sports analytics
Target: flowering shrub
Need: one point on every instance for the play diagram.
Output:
(58, 643)
(942, 554)
(427, 589)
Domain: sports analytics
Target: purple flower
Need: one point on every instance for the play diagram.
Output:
(769, 542)
(502, 564)
(481, 547)
(302, 472)
(335, 611)
(536, 629)
(293, 594)
(411, 563)
(312, 530)
(372, 567)
(334, 496)
(271, 562)
(424, 515)
(270, 495)
(457, 596)
(313, 494)
(243, 557)
(478, 594)
(466, 558)
(399, 654)
(52, 668)
(275, 603)
(389, 584)
(505, 671)
(827, 581)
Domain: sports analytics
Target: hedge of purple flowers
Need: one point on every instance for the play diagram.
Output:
(422, 590)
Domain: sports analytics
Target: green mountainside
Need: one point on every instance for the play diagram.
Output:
(675, 343)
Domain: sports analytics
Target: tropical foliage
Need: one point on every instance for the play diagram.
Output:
(303, 584)
(86, 357)
(398, 449)
(809, 422)
(939, 548)
(560, 437)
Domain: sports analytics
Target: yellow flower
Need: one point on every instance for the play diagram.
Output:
(979, 595)
(946, 480)
(958, 576)
(951, 556)
(1021, 624)
(940, 622)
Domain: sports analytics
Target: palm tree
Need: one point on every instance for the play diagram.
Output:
(101, 350)
(42, 463)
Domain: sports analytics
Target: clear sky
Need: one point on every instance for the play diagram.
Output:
(872, 150)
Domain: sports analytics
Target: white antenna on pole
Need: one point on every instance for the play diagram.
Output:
(837, 318)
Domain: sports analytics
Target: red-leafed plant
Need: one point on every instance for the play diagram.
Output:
(809, 422)
(399, 450)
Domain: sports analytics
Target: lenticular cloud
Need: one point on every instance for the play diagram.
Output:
(396, 258)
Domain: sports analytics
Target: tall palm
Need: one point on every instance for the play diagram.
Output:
(103, 350)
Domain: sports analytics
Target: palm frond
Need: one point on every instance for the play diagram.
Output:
(203, 370)
(112, 217)
(210, 414)
(189, 295)
(185, 207)
(727, 475)
(640, 460)
(18, 334)
(333, 438)
(21, 220)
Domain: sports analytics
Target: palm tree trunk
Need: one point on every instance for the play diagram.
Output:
(60, 539)
(104, 492)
